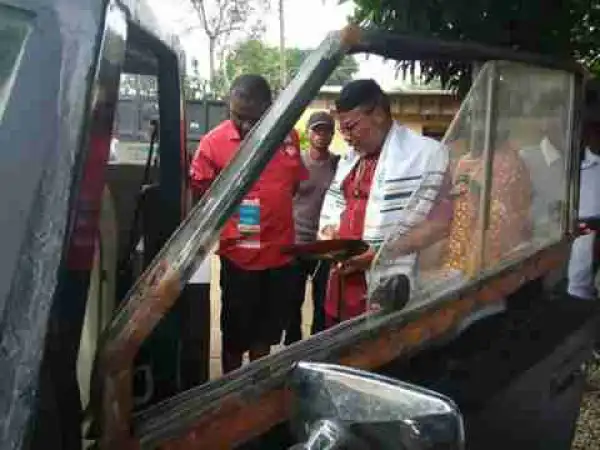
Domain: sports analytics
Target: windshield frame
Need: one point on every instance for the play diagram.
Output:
(167, 419)
(172, 417)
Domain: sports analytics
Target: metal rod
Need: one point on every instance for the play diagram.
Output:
(158, 287)
(571, 211)
(567, 209)
(488, 159)
(403, 47)
(341, 295)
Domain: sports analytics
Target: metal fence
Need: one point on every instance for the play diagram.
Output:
(133, 117)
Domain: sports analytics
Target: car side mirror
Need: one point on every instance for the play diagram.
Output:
(338, 408)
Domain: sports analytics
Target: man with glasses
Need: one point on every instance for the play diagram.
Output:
(387, 165)
(255, 273)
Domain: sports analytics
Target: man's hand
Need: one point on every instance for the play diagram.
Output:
(328, 232)
(587, 225)
(360, 263)
(583, 229)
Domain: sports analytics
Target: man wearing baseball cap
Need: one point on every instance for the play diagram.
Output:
(321, 165)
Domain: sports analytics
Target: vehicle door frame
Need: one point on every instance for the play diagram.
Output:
(219, 414)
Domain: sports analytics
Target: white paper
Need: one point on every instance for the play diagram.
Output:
(202, 275)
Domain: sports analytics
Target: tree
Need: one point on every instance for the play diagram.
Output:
(138, 86)
(253, 56)
(194, 86)
(561, 28)
(222, 20)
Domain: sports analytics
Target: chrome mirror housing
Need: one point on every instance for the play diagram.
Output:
(343, 408)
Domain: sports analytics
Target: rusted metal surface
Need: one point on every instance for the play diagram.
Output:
(233, 418)
(350, 36)
(116, 364)
(239, 418)
(158, 288)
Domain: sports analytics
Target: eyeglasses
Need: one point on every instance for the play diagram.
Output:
(350, 126)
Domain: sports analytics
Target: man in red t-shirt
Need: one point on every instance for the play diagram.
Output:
(255, 274)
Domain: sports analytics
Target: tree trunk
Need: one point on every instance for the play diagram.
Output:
(212, 46)
(282, 55)
(224, 70)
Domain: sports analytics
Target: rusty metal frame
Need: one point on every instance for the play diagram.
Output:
(225, 414)
(158, 288)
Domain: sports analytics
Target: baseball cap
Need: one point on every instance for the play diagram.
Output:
(320, 118)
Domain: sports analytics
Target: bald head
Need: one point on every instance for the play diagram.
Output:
(249, 97)
(251, 87)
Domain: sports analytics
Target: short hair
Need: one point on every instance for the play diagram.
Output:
(252, 88)
(362, 93)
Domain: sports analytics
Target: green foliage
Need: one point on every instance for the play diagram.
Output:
(253, 56)
(222, 20)
(145, 86)
(194, 86)
(304, 142)
(561, 28)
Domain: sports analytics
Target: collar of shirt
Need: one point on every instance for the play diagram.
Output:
(591, 159)
(231, 132)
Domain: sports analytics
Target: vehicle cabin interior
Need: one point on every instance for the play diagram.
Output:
(144, 200)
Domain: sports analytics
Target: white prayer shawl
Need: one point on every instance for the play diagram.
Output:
(406, 182)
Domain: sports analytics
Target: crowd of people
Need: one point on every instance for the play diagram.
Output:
(305, 196)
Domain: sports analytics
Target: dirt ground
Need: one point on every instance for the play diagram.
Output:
(588, 427)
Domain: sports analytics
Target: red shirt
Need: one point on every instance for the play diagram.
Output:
(356, 189)
(252, 238)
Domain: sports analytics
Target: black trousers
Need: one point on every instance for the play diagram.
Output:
(318, 274)
(194, 307)
(254, 306)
